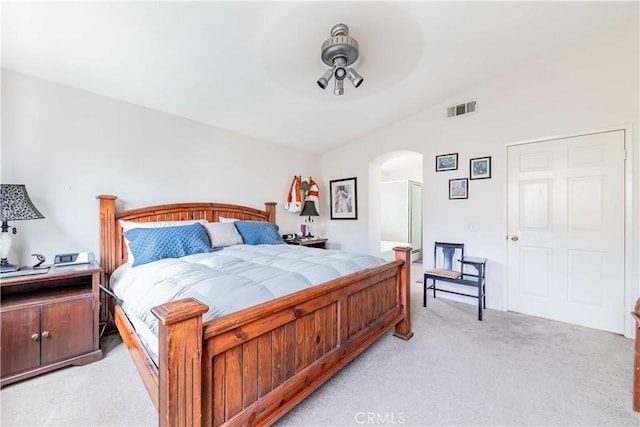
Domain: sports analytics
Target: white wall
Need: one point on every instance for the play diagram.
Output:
(411, 174)
(68, 145)
(394, 203)
(592, 87)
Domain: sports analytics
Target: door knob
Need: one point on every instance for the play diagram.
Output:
(45, 334)
(514, 238)
(35, 336)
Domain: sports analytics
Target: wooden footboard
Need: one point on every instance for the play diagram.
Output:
(250, 367)
(254, 365)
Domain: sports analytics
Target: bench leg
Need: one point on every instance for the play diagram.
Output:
(480, 298)
(484, 296)
(424, 291)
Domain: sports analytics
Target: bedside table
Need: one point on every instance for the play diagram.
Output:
(312, 243)
(49, 321)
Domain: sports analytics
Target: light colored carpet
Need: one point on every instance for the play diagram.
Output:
(509, 369)
(104, 393)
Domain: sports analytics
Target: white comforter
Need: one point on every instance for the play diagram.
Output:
(231, 279)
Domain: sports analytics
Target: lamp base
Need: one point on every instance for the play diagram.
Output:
(5, 249)
(7, 268)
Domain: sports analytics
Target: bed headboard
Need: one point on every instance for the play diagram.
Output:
(113, 251)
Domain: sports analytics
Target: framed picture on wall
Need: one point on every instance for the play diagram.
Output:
(343, 195)
(447, 162)
(480, 168)
(458, 188)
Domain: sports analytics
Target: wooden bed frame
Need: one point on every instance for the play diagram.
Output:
(252, 366)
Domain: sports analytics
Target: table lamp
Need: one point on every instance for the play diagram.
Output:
(309, 210)
(16, 205)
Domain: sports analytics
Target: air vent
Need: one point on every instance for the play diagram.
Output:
(461, 109)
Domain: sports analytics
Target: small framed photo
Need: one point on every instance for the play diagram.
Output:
(343, 194)
(480, 168)
(458, 188)
(447, 162)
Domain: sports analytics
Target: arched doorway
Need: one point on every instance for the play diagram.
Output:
(396, 203)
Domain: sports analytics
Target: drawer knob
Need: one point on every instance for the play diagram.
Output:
(35, 336)
(45, 334)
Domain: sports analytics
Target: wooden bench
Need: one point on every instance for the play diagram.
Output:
(443, 271)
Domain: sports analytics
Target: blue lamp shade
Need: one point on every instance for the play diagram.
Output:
(16, 205)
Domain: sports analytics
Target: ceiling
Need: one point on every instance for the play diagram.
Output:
(251, 67)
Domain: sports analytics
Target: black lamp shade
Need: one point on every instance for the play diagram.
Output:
(309, 209)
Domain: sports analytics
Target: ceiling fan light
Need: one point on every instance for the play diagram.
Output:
(339, 68)
(355, 78)
(340, 51)
(339, 88)
(324, 80)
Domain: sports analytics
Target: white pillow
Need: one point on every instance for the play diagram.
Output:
(130, 225)
(222, 234)
(223, 219)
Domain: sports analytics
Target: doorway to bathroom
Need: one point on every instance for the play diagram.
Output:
(401, 203)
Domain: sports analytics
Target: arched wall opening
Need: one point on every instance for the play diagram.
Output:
(395, 203)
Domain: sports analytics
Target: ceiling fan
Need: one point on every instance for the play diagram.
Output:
(339, 52)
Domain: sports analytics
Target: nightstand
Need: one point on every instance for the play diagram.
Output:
(49, 321)
(312, 243)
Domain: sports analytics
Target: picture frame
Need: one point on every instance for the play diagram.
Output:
(480, 168)
(458, 188)
(343, 195)
(447, 162)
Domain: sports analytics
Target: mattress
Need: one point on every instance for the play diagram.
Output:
(228, 280)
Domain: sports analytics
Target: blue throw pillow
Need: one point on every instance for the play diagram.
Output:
(152, 244)
(258, 233)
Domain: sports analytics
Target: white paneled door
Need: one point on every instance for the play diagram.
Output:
(566, 230)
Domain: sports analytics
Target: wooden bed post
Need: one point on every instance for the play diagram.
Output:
(636, 361)
(403, 328)
(107, 233)
(180, 372)
(270, 207)
(107, 256)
